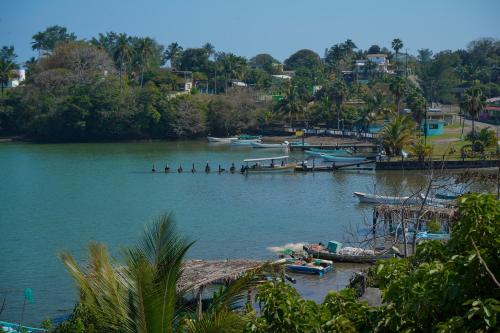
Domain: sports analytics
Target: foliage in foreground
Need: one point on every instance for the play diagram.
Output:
(444, 287)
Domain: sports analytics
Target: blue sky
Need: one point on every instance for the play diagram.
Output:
(278, 27)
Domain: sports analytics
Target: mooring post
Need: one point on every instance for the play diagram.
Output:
(199, 307)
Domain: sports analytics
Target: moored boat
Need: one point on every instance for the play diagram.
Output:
(348, 254)
(244, 142)
(385, 199)
(340, 151)
(283, 145)
(277, 164)
(307, 266)
(341, 159)
(221, 140)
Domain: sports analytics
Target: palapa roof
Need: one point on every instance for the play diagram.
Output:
(445, 212)
(201, 273)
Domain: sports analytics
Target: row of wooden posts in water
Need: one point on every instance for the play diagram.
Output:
(208, 169)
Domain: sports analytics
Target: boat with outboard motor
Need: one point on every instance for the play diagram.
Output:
(277, 164)
(336, 253)
(307, 265)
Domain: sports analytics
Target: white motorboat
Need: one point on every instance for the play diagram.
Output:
(220, 140)
(244, 142)
(283, 145)
(342, 159)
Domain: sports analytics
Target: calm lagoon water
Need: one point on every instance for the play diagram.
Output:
(61, 196)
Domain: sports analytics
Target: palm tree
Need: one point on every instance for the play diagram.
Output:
(209, 48)
(142, 295)
(473, 102)
(292, 104)
(339, 93)
(7, 72)
(122, 53)
(421, 150)
(397, 44)
(376, 108)
(397, 134)
(145, 49)
(417, 104)
(398, 88)
(172, 53)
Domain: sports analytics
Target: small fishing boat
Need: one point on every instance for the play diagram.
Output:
(435, 201)
(342, 159)
(220, 140)
(425, 235)
(249, 137)
(283, 145)
(386, 200)
(307, 266)
(277, 164)
(299, 144)
(347, 254)
(340, 151)
(244, 142)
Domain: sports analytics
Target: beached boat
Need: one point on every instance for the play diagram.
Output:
(249, 137)
(283, 145)
(347, 254)
(341, 159)
(244, 142)
(276, 164)
(307, 266)
(386, 200)
(220, 140)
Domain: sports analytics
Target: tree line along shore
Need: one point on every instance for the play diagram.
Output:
(120, 87)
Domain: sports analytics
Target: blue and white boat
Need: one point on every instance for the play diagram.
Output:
(244, 142)
(310, 266)
(16, 328)
(342, 159)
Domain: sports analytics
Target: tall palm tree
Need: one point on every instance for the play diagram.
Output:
(142, 295)
(397, 134)
(397, 44)
(338, 93)
(473, 102)
(209, 48)
(417, 104)
(145, 49)
(398, 88)
(122, 53)
(172, 53)
(377, 107)
(292, 104)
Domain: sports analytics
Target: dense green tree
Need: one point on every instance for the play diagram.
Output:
(195, 60)
(7, 66)
(145, 48)
(265, 62)
(417, 103)
(374, 49)
(45, 41)
(304, 58)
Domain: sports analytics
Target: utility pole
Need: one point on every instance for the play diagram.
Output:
(406, 63)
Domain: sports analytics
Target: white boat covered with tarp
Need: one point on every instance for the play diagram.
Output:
(268, 164)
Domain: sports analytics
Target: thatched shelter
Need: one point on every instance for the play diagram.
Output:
(200, 274)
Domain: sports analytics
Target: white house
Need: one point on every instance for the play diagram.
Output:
(20, 77)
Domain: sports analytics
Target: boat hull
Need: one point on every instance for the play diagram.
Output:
(335, 257)
(385, 200)
(269, 145)
(308, 269)
(278, 168)
(342, 159)
(244, 142)
(220, 140)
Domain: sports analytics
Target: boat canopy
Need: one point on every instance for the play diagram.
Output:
(265, 159)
